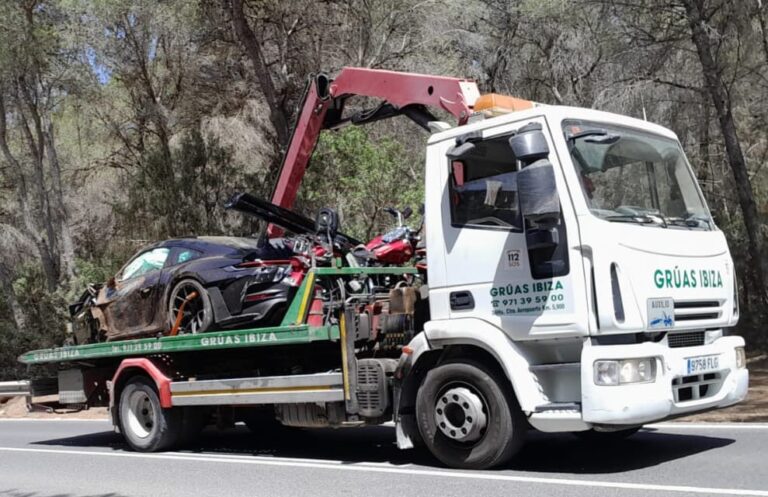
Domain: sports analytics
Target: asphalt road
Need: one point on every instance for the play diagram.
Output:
(85, 458)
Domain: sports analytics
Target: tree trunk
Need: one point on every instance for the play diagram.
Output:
(6, 288)
(68, 269)
(760, 14)
(22, 196)
(251, 45)
(48, 243)
(724, 107)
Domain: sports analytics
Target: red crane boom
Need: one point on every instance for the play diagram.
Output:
(400, 94)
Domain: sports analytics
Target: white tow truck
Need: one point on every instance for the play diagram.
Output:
(574, 282)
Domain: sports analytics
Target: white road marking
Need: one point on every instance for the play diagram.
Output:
(251, 457)
(709, 426)
(57, 419)
(405, 471)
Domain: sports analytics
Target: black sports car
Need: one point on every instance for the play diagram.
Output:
(192, 285)
(198, 281)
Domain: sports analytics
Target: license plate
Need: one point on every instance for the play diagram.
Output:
(703, 364)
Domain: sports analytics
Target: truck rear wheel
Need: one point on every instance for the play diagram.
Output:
(467, 416)
(146, 426)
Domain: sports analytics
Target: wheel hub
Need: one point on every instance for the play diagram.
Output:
(189, 306)
(141, 415)
(459, 414)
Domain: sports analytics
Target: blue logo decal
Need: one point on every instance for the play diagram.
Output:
(665, 321)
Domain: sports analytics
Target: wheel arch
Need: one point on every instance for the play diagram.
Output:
(131, 368)
(471, 339)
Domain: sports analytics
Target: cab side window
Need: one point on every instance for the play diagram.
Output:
(145, 263)
(483, 187)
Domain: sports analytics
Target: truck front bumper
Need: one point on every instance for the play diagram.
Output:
(675, 391)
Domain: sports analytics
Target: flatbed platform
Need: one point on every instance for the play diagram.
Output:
(257, 337)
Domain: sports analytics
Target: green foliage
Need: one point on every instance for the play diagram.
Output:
(97, 271)
(7, 332)
(186, 196)
(47, 319)
(359, 176)
(9, 345)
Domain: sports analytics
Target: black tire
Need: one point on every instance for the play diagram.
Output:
(606, 437)
(484, 448)
(198, 312)
(146, 426)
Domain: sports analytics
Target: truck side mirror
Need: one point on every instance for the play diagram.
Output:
(461, 151)
(545, 236)
(537, 191)
(529, 144)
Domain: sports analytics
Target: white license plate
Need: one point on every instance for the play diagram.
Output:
(703, 364)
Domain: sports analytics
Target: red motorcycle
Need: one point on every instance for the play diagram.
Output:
(397, 247)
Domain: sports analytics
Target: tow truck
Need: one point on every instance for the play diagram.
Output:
(574, 282)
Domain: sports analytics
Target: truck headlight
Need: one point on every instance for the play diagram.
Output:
(621, 372)
(741, 357)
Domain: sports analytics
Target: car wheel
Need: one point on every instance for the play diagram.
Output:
(606, 437)
(191, 300)
(146, 426)
(468, 417)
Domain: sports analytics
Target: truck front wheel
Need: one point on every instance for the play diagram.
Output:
(146, 426)
(468, 417)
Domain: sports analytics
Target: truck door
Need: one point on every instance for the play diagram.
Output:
(133, 300)
(495, 266)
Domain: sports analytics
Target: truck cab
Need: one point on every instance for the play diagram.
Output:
(575, 248)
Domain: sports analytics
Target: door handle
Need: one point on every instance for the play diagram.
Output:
(144, 292)
(462, 301)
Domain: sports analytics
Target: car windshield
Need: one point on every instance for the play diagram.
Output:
(145, 263)
(631, 176)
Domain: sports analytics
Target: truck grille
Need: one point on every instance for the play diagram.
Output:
(697, 386)
(687, 339)
(697, 310)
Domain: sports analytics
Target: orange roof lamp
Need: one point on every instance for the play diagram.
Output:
(493, 104)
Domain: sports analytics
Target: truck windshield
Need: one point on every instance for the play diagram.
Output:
(632, 176)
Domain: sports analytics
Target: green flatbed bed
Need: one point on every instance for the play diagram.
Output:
(280, 335)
